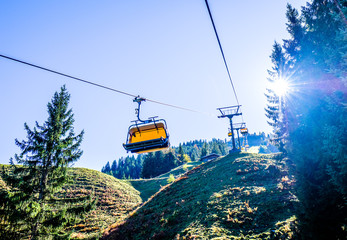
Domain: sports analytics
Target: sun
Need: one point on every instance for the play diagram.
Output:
(280, 87)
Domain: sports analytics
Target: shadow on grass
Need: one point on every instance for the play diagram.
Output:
(235, 195)
(148, 187)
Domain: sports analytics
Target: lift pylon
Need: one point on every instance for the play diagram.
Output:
(241, 128)
(230, 112)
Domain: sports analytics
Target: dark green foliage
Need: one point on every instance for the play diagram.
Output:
(215, 149)
(204, 150)
(125, 168)
(106, 168)
(158, 163)
(29, 207)
(180, 152)
(131, 167)
(195, 149)
(182, 156)
(335, 142)
(321, 174)
(312, 119)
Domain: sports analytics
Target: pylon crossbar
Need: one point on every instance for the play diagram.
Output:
(230, 111)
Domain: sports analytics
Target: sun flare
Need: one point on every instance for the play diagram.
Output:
(280, 87)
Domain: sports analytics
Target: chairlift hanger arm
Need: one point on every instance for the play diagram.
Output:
(139, 100)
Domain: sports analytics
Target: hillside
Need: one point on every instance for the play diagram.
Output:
(241, 196)
(116, 200)
(148, 187)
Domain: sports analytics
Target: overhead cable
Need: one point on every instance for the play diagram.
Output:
(68, 76)
(221, 49)
(95, 84)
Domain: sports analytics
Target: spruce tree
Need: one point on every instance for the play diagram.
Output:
(314, 128)
(275, 109)
(30, 208)
(204, 150)
(215, 148)
(148, 166)
(114, 167)
(106, 169)
(157, 163)
(181, 154)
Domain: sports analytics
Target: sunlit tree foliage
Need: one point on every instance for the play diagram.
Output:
(28, 205)
(313, 117)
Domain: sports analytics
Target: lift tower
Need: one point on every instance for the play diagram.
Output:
(231, 112)
(240, 127)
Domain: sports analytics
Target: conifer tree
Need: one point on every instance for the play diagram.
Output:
(181, 154)
(215, 148)
(204, 150)
(114, 166)
(170, 161)
(313, 131)
(148, 166)
(106, 169)
(158, 163)
(275, 109)
(30, 208)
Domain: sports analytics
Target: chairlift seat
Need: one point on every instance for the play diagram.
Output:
(150, 137)
(244, 131)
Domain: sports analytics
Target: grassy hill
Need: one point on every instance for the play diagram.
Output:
(116, 199)
(242, 196)
(148, 187)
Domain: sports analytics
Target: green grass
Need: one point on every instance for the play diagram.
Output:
(241, 196)
(181, 169)
(116, 200)
(148, 187)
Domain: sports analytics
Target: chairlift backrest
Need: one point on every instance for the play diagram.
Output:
(147, 132)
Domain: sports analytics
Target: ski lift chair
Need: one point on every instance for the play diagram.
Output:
(147, 137)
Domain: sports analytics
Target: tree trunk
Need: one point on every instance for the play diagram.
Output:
(43, 185)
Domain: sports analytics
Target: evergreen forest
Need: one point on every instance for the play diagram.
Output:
(155, 164)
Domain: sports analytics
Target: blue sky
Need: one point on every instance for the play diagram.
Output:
(164, 50)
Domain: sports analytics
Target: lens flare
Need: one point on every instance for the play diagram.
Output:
(280, 87)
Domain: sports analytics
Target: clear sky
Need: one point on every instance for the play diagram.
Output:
(164, 50)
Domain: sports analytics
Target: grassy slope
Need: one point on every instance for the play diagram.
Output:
(115, 200)
(148, 187)
(243, 196)
(181, 169)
